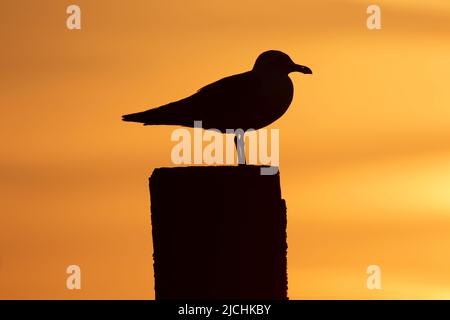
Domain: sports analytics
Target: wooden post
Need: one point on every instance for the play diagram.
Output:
(218, 233)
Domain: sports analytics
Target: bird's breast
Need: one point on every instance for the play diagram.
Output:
(275, 98)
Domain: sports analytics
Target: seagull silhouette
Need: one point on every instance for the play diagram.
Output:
(250, 100)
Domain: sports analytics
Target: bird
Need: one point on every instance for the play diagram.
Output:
(249, 100)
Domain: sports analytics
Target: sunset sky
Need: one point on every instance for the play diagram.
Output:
(364, 147)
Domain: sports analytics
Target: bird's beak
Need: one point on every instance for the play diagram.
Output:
(302, 69)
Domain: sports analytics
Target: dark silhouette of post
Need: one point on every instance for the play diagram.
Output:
(218, 233)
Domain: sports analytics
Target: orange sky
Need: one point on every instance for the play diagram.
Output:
(364, 155)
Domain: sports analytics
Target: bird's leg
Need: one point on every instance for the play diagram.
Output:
(240, 147)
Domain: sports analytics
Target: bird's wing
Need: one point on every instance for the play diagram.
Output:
(226, 102)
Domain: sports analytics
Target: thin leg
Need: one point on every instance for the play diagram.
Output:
(240, 148)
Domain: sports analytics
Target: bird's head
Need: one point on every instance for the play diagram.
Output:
(278, 63)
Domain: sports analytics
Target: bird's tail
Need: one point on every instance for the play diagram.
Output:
(149, 117)
(134, 117)
(170, 114)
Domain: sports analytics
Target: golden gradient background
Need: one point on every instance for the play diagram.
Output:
(365, 146)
